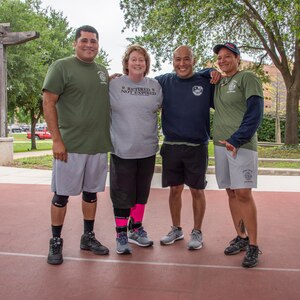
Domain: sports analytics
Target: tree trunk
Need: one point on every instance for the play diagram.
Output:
(277, 130)
(292, 116)
(33, 123)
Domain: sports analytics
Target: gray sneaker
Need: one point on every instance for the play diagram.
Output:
(196, 241)
(174, 235)
(122, 244)
(139, 237)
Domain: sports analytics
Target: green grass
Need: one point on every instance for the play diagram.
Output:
(26, 146)
(18, 136)
(284, 165)
(22, 144)
(45, 162)
(39, 162)
(279, 152)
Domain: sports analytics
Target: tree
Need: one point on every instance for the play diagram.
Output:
(277, 92)
(266, 30)
(27, 64)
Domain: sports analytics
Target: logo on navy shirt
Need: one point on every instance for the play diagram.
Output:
(197, 90)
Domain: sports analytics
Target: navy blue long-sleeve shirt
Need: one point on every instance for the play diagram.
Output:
(250, 122)
(186, 106)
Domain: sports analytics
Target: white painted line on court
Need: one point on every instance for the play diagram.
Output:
(160, 264)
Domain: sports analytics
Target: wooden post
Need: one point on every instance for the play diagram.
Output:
(3, 96)
(8, 38)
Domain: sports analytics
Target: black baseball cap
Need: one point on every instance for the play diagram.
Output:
(230, 46)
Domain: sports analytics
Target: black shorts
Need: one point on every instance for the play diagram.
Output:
(130, 180)
(182, 164)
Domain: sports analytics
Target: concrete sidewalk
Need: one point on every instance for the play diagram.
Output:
(33, 176)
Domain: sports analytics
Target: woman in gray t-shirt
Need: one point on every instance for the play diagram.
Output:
(135, 101)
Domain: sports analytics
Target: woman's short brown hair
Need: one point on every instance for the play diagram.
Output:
(140, 49)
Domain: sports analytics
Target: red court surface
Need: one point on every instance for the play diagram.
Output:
(159, 272)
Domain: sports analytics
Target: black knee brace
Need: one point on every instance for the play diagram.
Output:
(59, 200)
(89, 197)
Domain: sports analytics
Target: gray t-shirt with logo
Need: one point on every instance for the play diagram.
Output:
(134, 116)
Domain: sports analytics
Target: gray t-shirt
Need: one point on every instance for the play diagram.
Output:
(134, 113)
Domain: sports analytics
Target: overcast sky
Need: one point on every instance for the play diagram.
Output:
(107, 17)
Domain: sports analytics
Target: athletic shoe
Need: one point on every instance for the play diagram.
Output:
(55, 251)
(251, 257)
(89, 242)
(237, 245)
(122, 244)
(139, 237)
(196, 241)
(174, 235)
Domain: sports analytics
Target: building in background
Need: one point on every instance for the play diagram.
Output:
(274, 90)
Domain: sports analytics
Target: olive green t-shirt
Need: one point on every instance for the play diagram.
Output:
(230, 100)
(83, 104)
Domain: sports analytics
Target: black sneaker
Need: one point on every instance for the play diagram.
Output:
(237, 245)
(251, 257)
(89, 242)
(55, 251)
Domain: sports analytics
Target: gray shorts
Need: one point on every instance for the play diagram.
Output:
(82, 172)
(236, 173)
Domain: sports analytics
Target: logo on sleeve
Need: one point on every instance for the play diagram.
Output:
(102, 77)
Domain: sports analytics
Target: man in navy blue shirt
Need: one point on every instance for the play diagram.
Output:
(188, 96)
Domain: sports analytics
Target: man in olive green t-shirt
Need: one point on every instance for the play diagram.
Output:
(76, 109)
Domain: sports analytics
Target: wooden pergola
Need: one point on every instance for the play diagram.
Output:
(8, 38)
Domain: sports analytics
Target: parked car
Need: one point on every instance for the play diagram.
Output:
(25, 128)
(40, 134)
(15, 129)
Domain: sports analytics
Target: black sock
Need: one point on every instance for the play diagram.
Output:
(56, 230)
(88, 225)
(120, 229)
